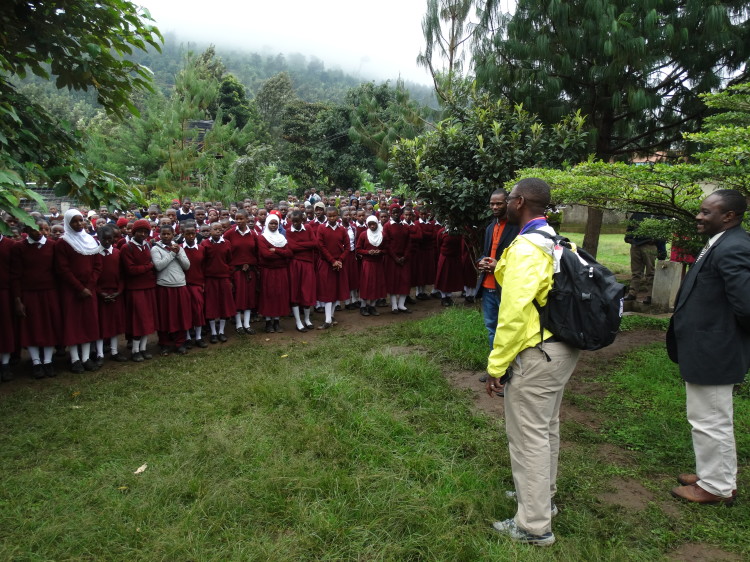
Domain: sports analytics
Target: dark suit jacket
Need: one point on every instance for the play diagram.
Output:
(509, 234)
(709, 335)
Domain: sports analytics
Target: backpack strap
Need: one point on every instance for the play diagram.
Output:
(558, 240)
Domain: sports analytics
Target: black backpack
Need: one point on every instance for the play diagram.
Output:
(584, 305)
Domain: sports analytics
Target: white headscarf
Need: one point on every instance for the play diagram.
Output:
(275, 238)
(374, 237)
(82, 242)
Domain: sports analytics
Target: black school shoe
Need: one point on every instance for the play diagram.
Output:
(214, 339)
(223, 338)
(49, 370)
(5, 374)
(410, 300)
(37, 372)
(364, 312)
(201, 343)
(373, 311)
(76, 367)
(89, 365)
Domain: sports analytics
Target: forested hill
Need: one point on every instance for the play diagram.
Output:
(312, 81)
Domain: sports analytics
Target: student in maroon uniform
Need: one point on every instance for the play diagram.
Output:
(140, 289)
(274, 257)
(371, 248)
(109, 290)
(79, 264)
(174, 317)
(302, 280)
(244, 243)
(450, 275)
(333, 245)
(195, 280)
(36, 299)
(397, 268)
(415, 257)
(352, 267)
(428, 253)
(8, 339)
(218, 271)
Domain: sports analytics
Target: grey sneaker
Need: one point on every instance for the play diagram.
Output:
(512, 494)
(510, 529)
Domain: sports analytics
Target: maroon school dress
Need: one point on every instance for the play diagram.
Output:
(195, 280)
(372, 280)
(8, 336)
(274, 279)
(302, 278)
(140, 289)
(449, 277)
(428, 253)
(333, 245)
(415, 256)
(397, 276)
(111, 313)
(352, 263)
(78, 272)
(218, 286)
(34, 280)
(244, 253)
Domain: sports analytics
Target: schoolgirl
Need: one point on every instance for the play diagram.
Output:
(174, 317)
(195, 282)
(450, 275)
(35, 298)
(397, 266)
(333, 285)
(79, 264)
(274, 262)
(140, 289)
(8, 340)
(244, 243)
(302, 280)
(371, 248)
(218, 272)
(109, 291)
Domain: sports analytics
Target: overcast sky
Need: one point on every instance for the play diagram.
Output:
(380, 39)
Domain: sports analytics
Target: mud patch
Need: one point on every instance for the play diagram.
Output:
(695, 552)
(469, 380)
(630, 494)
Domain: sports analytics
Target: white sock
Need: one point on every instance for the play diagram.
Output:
(5, 358)
(444, 294)
(222, 323)
(73, 353)
(295, 312)
(212, 324)
(188, 337)
(470, 291)
(238, 320)
(113, 345)
(48, 351)
(268, 318)
(247, 318)
(363, 303)
(34, 354)
(420, 289)
(198, 332)
(329, 312)
(136, 345)
(100, 348)
(144, 343)
(307, 315)
(348, 301)
(394, 302)
(402, 302)
(85, 351)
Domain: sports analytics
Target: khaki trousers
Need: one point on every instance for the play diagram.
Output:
(710, 411)
(642, 265)
(532, 422)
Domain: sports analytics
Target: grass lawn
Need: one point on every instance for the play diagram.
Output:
(356, 448)
(613, 252)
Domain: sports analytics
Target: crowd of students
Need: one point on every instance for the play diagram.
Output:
(84, 279)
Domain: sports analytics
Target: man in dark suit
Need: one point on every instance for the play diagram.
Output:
(709, 337)
(498, 236)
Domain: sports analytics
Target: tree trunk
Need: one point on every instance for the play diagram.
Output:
(593, 226)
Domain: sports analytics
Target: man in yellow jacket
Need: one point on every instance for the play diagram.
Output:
(540, 366)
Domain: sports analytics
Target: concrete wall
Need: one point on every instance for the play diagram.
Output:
(574, 220)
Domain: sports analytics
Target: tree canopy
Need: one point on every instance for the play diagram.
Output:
(84, 45)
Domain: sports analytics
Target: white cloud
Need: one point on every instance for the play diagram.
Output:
(380, 39)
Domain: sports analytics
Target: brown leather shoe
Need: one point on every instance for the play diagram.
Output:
(687, 479)
(696, 494)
